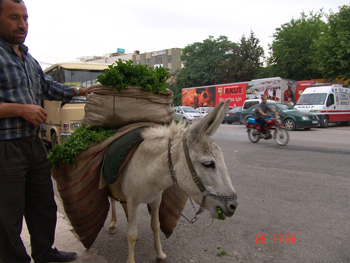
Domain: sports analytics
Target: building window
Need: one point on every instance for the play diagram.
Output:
(159, 60)
(148, 61)
(170, 59)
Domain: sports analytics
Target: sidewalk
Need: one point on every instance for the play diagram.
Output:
(65, 240)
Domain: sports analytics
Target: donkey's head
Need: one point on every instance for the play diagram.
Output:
(209, 184)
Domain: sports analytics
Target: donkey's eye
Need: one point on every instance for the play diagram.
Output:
(209, 164)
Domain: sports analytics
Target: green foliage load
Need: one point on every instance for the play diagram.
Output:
(120, 76)
(67, 152)
(124, 73)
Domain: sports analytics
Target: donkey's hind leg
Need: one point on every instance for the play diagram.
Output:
(161, 256)
(132, 228)
(112, 226)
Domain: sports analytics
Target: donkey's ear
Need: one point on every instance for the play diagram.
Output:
(210, 123)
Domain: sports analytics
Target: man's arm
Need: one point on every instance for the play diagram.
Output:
(32, 113)
(261, 112)
(275, 111)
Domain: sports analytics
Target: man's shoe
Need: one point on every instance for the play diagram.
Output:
(61, 256)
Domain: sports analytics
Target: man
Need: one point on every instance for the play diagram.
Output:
(25, 177)
(261, 113)
(289, 93)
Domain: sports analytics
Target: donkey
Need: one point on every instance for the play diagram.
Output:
(198, 169)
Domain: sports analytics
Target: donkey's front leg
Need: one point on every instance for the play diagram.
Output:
(132, 229)
(161, 256)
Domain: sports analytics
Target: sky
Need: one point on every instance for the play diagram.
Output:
(64, 30)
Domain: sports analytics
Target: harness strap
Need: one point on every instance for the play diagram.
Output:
(170, 163)
(195, 176)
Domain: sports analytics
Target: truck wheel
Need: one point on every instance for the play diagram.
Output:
(324, 122)
(54, 139)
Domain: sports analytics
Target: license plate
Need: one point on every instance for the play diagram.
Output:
(314, 122)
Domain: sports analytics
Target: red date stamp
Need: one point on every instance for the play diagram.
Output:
(277, 239)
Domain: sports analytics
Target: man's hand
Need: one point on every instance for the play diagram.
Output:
(34, 114)
(30, 112)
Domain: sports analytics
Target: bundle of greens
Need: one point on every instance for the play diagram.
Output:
(124, 73)
(67, 152)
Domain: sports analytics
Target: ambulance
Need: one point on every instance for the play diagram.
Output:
(330, 103)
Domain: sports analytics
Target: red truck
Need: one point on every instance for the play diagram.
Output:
(301, 86)
(210, 96)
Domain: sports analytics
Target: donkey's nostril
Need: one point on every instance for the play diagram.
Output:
(233, 206)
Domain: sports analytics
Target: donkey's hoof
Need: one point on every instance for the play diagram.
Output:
(112, 230)
(161, 260)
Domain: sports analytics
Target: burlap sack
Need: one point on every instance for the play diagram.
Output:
(106, 107)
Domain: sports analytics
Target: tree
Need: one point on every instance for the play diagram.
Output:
(175, 90)
(291, 50)
(201, 61)
(331, 51)
(244, 61)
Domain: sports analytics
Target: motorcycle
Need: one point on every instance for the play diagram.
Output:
(279, 133)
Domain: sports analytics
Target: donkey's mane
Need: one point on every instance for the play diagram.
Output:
(162, 132)
(156, 139)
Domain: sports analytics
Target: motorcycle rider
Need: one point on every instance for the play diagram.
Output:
(261, 113)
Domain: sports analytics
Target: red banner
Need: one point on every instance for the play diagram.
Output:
(235, 92)
(211, 96)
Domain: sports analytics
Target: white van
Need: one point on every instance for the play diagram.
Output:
(330, 103)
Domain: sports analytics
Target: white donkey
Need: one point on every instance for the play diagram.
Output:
(199, 169)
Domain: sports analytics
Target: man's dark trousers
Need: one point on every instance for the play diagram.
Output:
(25, 189)
(262, 122)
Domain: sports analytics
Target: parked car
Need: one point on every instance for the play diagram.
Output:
(204, 110)
(233, 115)
(186, 114)
(291, 117)
(251, 102)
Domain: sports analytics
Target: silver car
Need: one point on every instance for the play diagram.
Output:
(186, 114)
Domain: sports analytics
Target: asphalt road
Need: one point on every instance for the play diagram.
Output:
(300, 191)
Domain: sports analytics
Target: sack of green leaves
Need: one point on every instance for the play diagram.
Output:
(127, 94)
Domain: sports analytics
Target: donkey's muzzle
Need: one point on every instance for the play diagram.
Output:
(232, 206)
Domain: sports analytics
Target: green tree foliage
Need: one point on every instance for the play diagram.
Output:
(331, 51)
(291, 49)
(176, 92)
(219, 61)
(201, 60)
(244, 61)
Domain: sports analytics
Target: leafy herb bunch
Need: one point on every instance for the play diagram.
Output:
(124, 73)
(67, 152)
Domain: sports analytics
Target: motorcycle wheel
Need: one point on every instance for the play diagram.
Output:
(253, 135)
(281, 136)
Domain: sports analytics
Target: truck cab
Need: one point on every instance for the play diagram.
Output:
(63, 119)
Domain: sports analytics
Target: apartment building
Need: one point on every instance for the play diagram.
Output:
(167, 58)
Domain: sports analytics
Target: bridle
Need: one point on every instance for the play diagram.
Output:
(196, 179)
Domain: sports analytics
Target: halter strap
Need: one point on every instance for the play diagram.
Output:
(195, 176)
